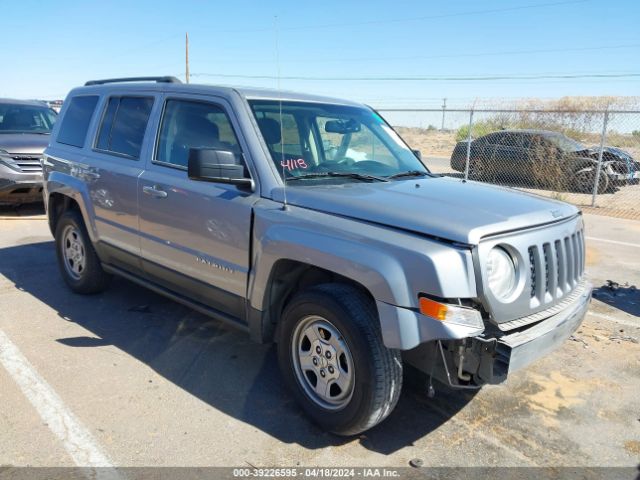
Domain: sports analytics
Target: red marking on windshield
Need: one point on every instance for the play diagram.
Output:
(293, 164)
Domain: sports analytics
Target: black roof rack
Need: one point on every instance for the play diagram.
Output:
(166, 79)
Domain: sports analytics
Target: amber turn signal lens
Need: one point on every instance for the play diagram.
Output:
(433, 309)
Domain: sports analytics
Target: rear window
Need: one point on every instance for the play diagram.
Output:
(123, 125)
(75, 123)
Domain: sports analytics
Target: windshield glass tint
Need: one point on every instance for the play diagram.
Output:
(306, 138)
(565, 143)
(16, 118)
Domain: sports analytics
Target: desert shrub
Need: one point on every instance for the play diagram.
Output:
(579, 118)
(480, 128)
(575, 126)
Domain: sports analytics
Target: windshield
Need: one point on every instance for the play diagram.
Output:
(16, 118)
(308, 139)
(565, 143)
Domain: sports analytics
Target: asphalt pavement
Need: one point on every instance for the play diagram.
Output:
(129, 378)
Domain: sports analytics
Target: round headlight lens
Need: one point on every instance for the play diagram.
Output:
(501, 272)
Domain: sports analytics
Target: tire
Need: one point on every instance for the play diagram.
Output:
(77, 259)
(367, 374)
(585, 179)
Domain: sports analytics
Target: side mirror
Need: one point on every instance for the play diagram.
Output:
(417, 153)
(211, 165)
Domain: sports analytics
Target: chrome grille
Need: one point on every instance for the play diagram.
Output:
(538, 316)
(556, 267)
(28, 163)
(547, 266)
(532, 271)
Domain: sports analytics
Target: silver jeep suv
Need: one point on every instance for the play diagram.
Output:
(309, 222)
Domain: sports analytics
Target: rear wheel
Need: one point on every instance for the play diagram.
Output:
(77, 260)
(332, 358)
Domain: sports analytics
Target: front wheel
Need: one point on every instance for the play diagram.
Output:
(584, 181)
(333, 359)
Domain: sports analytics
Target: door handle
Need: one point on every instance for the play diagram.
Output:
(154, 191)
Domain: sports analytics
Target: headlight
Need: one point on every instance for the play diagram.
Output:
(501, 273)
(448, 313)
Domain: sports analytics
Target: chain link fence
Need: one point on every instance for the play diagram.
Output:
(590, 158)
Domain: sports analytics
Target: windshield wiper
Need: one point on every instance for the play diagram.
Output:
(409, 173)
(357, 176)
(13, 132)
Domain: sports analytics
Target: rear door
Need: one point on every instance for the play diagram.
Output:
(195, 235)
(116, 160)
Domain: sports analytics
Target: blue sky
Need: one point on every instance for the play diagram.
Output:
(50, 47)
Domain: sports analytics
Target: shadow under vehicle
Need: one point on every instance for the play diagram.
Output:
(217, 364)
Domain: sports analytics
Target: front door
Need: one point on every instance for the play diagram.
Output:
(195, 235)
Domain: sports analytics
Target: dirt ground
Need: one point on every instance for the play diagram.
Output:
(439, 143)
(432, 143)
(436, 147)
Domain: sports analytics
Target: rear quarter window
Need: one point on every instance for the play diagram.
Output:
(75, 123)
(124, 124)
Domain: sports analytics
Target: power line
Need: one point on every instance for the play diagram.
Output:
(155, 43)
(430, 78)
(441, 55)
(409, 19)
(480, 54)
(444, 15)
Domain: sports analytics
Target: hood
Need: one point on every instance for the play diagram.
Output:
(438, 206)
(24, 143)
(609, 153)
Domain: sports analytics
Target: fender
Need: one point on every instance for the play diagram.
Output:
(586, 164)
(71, 186)
(393, 265)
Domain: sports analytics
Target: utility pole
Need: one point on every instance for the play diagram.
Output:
(186, 73)
(444, 107)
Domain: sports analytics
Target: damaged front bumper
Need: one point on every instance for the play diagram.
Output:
(516, 350)
(624, 177)
(492, 356)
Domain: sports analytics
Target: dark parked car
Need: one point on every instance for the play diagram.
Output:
(544, 158)
(25, 127)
